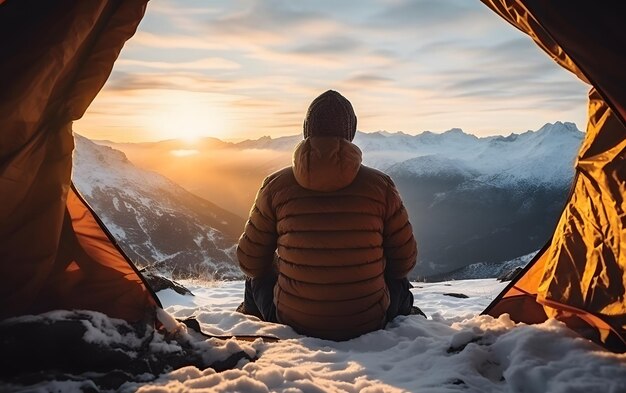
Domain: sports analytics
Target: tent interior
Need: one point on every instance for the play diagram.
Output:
(56, 254)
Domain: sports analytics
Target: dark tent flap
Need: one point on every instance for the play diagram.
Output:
(61, 54)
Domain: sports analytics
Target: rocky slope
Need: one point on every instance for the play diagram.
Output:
(157, 222)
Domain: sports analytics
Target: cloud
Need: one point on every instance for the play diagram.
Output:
(500, 72)
(200, 64)
(334, 45)
(123, 82)
(289, 113)
(267, 22)
(368, 79)
(429, 14)
(170, 9)
(173, 41)
(277, 93)
(255, 103)
(268, 15)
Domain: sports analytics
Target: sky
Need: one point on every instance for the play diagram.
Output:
(242, 69)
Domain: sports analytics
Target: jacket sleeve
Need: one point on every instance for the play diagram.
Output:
(257, 244)
(400, 248)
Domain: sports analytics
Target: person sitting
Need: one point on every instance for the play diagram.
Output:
(328, 244)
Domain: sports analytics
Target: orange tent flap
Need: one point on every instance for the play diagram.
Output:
(586, 268)
(105, 280)
(519, 298)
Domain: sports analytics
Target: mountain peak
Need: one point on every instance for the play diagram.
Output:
(454, 131)
(382, 132)
(559, 127)
(509, 138)
(102, 153)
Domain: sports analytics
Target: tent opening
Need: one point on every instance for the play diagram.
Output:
(174, 82)
(224, 104)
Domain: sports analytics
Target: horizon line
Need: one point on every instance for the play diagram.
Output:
(236, 140)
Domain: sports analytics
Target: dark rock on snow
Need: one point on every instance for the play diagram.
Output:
(158, 283)
(510, 275)
(457, 295)
(100, 352)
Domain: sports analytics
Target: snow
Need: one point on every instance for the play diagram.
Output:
(454, 350)
(435, 166)
(117, 231)
(131, 352)
(500, 161)
(89, 159)
(489, 269)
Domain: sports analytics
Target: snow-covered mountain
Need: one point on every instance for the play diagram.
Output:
(485, 199)
(156, 221)
(544, 156)
(471, 199)
(482, 270)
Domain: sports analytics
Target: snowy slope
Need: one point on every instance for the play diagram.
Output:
(454, 350)
(435, 165)
(486, 269)
(156, 221)
(545, 156)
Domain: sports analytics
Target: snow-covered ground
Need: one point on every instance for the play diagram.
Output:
(454, 350)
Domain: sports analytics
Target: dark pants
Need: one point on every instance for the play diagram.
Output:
(259, 297)
(401, 298)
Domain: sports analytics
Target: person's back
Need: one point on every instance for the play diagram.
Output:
(340, 232)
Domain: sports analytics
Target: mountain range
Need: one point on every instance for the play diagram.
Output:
(471, 199)
(157, 222)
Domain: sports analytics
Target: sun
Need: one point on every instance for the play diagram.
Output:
(186, 116)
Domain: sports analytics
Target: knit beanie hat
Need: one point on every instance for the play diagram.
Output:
(330, 114)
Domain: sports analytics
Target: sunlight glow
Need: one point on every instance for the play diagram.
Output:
(184, 152)
(187, 116)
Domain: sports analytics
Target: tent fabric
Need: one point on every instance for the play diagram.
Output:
(91, 271)
(519, 298)
(61, 54)
(583, 271)
(586, 264)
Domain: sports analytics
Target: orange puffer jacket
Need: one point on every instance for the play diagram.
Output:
(338, 228)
